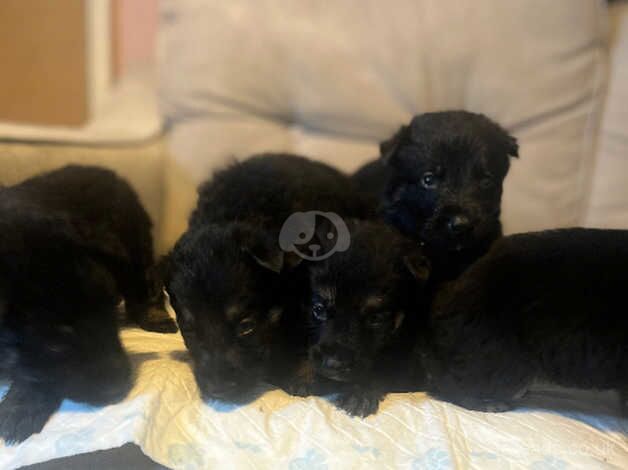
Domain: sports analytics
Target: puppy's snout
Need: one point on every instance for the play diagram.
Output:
(337, 358)
(218, 381)
(459, 224)
(220, 388)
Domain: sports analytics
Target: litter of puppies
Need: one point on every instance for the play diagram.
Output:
(396, 278)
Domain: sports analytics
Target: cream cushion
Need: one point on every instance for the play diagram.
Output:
(142, 165)
(608, 206)
(333, 79)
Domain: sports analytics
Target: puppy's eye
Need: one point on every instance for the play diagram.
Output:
(319, 311)
(246, 327)
(377, 320)
(429, 180)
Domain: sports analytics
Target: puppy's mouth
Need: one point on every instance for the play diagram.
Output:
(446, 242)
(240, 393)
(236, 389)
(342, 374)
(336, 376)
(452, 247)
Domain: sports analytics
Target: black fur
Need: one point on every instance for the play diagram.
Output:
(71, 241)
(108, 217)
(547, 305)
(364, 314)
(59, 335)
(439, 180)
(237, 295)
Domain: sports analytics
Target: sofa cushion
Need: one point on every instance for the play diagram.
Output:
(141, 165)
(333, 79)
(609, 194)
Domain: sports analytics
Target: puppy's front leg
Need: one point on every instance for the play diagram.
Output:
(497, 400)
(483, 405)
(302, 384)
(25, 410)
(360, 400)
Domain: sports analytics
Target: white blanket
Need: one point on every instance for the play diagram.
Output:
(165, 416)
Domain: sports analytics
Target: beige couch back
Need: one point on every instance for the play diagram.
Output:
(331, 79)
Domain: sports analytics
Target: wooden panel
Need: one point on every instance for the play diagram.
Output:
(42, 62)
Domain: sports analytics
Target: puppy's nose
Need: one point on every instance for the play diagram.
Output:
(220, 392)
(339, 359)
(218, 387)
(459, 224)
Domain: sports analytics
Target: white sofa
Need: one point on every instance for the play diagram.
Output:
(330, 80)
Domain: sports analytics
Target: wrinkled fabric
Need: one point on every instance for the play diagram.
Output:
(164, 415)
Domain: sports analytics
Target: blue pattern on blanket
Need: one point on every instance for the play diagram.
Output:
(66, 405)
(433, 459)
(249, 447)
(484, 455)
(312, 460)
(70, 406)
(222, 406)
(549, 462)
(365, 450)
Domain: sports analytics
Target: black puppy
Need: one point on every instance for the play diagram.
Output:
(107, 216)
(364, 313)
(547, 305)
(238, 296)
(58, 319)
(439, 180)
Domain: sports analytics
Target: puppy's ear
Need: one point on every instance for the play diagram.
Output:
(388, 148)
(267, 254)
(269, 259)
(264, 249)
(418, 265)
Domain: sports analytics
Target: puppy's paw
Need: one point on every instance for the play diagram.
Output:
(303, 383)
(361, 403)
(19, 421)
(18, 425)
(157, 320)
(299, 389)
(497, 407)
(486, 405)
